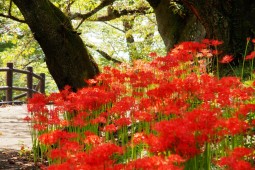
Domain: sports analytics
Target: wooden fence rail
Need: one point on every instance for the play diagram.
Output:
(29, 90)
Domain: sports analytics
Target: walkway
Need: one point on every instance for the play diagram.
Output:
(14, 132)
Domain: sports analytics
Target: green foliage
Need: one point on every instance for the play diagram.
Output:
(18, 45)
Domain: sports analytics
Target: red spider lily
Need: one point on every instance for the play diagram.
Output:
(240, 152)
(206, 41)
(253, 41)
(125, 104)
(37, 103)
(92, 140)
(143, 116)
(102, 154)
(124, 121)
(216, 42)
(50, 138)
(174, 158)
(250, 56)
(226, 59)
(172, 116)
(27, 119)
(99, 119)
(71, 146)
(236, 160)
(139, 138)
(153, 54)
(110, 128)
(58, 154)
(154, 162)
(232, 126)
(40, 127)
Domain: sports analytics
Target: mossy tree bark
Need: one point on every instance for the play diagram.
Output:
(66, 56)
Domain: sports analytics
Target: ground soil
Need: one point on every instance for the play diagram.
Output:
(17, 160)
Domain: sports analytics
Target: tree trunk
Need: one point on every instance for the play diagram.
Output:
(231, 21)
(66, 56)
(175, 28)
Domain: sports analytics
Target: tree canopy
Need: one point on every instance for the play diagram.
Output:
(114, 31)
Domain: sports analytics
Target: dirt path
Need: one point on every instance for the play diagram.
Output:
(14, 132)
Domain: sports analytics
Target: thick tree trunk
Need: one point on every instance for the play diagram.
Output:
(231, 21)
(66, 56)
(174, 28)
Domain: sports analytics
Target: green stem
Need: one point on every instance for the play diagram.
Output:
(245, 52)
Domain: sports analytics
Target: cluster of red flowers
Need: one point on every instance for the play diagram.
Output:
(153, 115)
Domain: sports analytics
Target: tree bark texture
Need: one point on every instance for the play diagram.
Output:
(66, 56)
(231, 21)
(174, 28)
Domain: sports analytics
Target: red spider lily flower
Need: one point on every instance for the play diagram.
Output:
(174, 158)
(92, 140)
(240, 152)
(58, 154)
(27, 119)
(153, 162)
(37, 103)
(103, 154)
(71, 146)
(139, 138)
(153, 54)
(77, 122)
(124, 121)
(91, 82)
(226, 59)
(143, 116)
(244, 110)
(253, 41)
(232, 126)
(248, 38)
(206, 41)
(157, 144)
(50, 138)
(253, 122)
(250, 56)
(99, 119)
(234, 164)
(206, 53)
(235, 159)
(216, 52)
(110, 128)
(124, 105)
(39, 127)
(216, 42)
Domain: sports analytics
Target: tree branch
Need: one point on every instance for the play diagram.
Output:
(9, 16)
(117, 14)
(104, 54)
(13, 18)
(90, 13)
(114, 27)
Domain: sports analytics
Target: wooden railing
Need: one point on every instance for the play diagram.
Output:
(29, 90)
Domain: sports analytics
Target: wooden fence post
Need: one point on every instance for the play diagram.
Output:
(30, 82)
(9, 81)
(42, 84)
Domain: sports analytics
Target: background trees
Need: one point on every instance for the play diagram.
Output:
(56, 36)
(117, 30)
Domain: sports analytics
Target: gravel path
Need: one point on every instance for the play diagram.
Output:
(14, 132)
